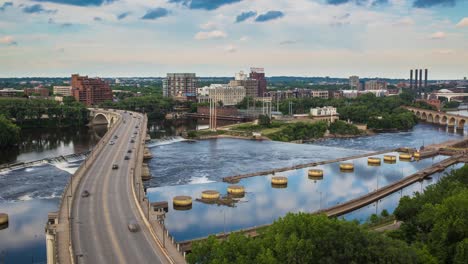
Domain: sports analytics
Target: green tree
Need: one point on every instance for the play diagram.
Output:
(9, 132)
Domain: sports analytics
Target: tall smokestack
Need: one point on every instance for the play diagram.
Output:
(420, 78)
(416, 79)
(425, 78)
(411, 79)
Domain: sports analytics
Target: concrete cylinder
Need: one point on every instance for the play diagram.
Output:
(279, 180)
(374, 161)
(3, 218)
(346, 166)
(210, 195)
(315, 174)
(405, 156)
(236, 189)
(182, 200)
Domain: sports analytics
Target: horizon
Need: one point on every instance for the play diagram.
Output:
(141, 38)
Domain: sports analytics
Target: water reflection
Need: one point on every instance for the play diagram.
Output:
(175, 127)
(263, 204)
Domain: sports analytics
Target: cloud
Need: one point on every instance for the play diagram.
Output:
(270, 15)
(244, 39)
(208, 25)
(463, 22)
(438, 35)
(215, 34)
(407, 21)
(123, 15)
(156, 13)
(288, 42)
(379, 2)
(337, 2)
(245, 15)
(204, 4)
(37, 8)
(230, 48)
(98, 19)
(79, 2)
(8, 40)
(5, 5)
(444, 52)
(431, 3)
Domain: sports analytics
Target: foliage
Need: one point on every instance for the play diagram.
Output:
(43, 113)
(300, 131)
(264, 121)
(438, 218)
(155, 106)
(305, 238)
(247, 102)
(9, 132)
(451, 105)
(424, 105)
(343, 128)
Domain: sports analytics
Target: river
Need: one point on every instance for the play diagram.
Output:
(27, 195)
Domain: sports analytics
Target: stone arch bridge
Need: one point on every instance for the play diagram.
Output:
(102, 117)
(440, 118)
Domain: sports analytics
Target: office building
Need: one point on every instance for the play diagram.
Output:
(90, 91)
(62, 90)
(259, 75)
(180, 86)
(320, 94)
(10, 92)
(375, 85)
(251, 86)
(228, 95)
(37, 91)
(354, 83)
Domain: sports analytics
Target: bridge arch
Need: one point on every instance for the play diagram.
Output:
(461, 124)
(437, 119)
(418, 114)
(430, 118)
(424, 116)
(100, 119)
(443, 121)
(452, 121)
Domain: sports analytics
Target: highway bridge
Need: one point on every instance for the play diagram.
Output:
(440, 118)
(449, 96)
(103, 197)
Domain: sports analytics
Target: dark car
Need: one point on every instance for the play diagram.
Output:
(129, 151)
(133, 226)
(132, 141)
(115, 166)
(85, 193)
(127, 157)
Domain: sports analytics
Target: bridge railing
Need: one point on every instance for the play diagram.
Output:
(73, 183)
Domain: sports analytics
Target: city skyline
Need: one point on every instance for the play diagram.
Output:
(336, 38)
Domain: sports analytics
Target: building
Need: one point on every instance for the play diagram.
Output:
(90, 91)
(259, 75)
(10, 92)
(320, 94)
(40, 91)
(375, 85)
(323, 111)
(251, 86)
(228, 95)
(62, 90)
(354, 82)
(180, 86)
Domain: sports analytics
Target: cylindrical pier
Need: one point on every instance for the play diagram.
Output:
(389, 159)
(405, 156)
(182, 200)
(279, 180)
(3, 221)
(236, 190)
(315, 174)
(417, 155)
(210, 195)
(346, 167)
(374, 161)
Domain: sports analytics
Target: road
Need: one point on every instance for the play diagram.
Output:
(100, 231)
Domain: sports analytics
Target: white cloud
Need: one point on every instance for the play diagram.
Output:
(208, 26)
(406, 21)
(8, 40)
(444, 52)
(438, 35)
(215, 34)
(244, 39)
(463, 22)
(230, 48)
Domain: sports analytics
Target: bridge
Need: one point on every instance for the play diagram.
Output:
(449, 96)
(99, 202)
(440, 118)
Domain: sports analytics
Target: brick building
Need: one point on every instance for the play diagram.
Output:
(40, 91)
(90, 91)
(259, 75)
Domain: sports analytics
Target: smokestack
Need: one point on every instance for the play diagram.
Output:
(425, 78)
(420, 81)
(411, 79)
(416, 79)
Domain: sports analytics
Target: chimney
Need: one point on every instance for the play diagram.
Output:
(411, 79)
(416, 79)
(420, 78)
(425, 78)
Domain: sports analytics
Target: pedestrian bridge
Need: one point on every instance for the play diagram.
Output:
(440, 118)
(102, 117)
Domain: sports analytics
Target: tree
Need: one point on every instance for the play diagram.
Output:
(9, 132)
(264, 121)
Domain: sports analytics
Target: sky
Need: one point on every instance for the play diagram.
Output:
(336, 38)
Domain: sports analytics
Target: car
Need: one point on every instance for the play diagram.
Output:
(127, 157)
(115, 166)
(131, 113)
(85, 193)
(111, 143)
(116, 136)
(132, 141)
(129, 151)
(135, 132)
(136, 126)
(133, 226)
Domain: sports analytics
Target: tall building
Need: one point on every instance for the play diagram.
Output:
(374, 85)
(354, 82)
(180, 86)
(90, 91)
(259, 75)
(251, 86)
(228, 95)
(63, 90)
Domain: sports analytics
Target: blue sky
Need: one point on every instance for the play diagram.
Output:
(369, 38)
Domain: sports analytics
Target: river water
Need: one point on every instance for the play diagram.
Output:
(27, 195)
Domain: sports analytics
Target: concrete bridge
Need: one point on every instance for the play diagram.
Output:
(440, 118)
(449, 96)
(104, 216)
(103, 117)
